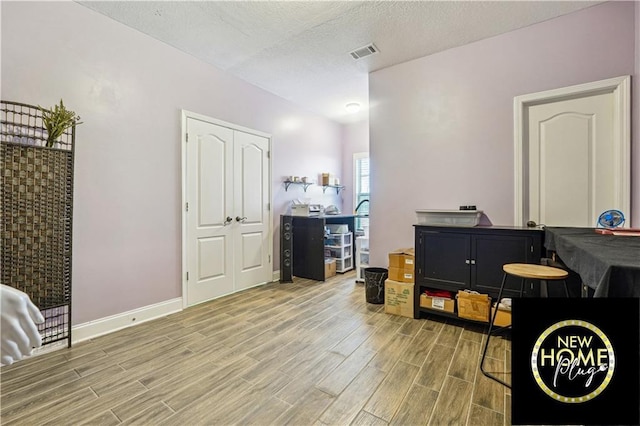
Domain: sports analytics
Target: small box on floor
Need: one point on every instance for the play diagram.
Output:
(398, 298)
(401, 265)
(400, 274)
(329, 268)
(474, 306)
(403, 258)
(503, 319)
(437, 303)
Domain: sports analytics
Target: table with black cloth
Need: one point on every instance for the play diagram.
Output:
(608, 264)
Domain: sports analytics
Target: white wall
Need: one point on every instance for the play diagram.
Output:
(441, 130)
(129, 90)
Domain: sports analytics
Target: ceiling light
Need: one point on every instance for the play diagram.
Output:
(352, 107)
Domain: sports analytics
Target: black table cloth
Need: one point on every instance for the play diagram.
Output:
(609, 264)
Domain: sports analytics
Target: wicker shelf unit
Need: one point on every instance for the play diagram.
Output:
(37, 215)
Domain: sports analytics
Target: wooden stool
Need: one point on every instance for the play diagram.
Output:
(524, 271)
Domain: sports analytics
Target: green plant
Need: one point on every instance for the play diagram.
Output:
(56, 120)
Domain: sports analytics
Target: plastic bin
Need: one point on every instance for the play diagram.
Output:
(374, 279)
(462, 218)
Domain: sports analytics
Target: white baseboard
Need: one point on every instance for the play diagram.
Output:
(116, 322)
(276, 276)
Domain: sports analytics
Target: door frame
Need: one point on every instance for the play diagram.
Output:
(620, 87)
(183, 207)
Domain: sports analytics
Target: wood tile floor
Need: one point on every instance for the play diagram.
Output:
(304, 353)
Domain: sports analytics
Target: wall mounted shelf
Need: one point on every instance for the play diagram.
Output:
(337, 187)
(305, 185)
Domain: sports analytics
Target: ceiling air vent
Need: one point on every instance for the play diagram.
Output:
(367, 50)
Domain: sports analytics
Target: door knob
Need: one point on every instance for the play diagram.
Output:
(228, 220)
(241, 219)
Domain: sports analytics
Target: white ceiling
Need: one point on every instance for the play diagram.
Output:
(299, 50)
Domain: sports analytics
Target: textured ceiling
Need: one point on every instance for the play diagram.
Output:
(300, 50)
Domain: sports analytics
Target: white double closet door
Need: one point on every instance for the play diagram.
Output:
(227, 219)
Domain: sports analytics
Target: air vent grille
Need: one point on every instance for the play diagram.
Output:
(363, 52)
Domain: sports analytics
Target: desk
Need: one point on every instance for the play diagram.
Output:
(608, 264)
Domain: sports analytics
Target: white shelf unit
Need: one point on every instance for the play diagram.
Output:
(340, 247)
(362, 257)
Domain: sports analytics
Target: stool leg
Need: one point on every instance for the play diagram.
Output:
(486, 344)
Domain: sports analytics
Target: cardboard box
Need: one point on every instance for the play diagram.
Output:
(329, 268)
(398, 298)
(401, 258)
(474, 306)
(437, 303)
(503, 318)
(401, 275)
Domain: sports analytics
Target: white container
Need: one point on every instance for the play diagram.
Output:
(468, 218)
(338, 228)
(299, 209)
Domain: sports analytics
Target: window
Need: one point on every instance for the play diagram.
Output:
(361, 192)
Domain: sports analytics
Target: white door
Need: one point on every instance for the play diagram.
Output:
(228, 235)
(571, 167)
(576, 156)
(251, 242)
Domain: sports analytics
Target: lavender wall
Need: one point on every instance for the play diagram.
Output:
(129, 90)
(442, 125)
(355, 139)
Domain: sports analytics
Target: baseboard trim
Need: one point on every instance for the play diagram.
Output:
(107, 325)
(276, 276)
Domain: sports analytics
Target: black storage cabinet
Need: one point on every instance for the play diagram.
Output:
(459, 258)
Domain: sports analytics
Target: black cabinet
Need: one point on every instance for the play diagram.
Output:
(309, 243)
(455, 258)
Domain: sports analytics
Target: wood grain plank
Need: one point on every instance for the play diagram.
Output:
(419, 348)
(307, 409)
(365, 419)
(339, 379)
(481, 416)
(32, 415)
(43, 401)
(449, 335)
(106, 418)
(411, 327)
(474, 332)
(238, 404)
(151, 416)
(84, 412)
(200, 388)
(350, 343)
(488, 393)
(265, 413)
(434, 370)
(309, 376)
(389, 355)
(465, 360)
(197, 405)
(453, 403)
(389, 395)
(47, 384)
(417, 406)
(349, 403)
(434, 323)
